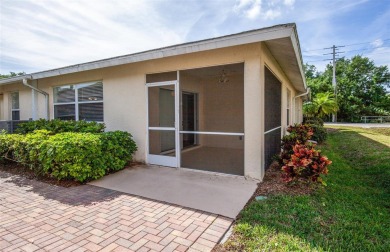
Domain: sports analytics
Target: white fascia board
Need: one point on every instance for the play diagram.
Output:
(254, 36)
(298, 55)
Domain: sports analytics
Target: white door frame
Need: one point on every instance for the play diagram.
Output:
(161, 159)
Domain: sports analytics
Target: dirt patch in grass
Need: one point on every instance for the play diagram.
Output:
(25, 172)
(330, 130)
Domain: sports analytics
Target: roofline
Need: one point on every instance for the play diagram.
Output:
(298, 52)
(251, 36)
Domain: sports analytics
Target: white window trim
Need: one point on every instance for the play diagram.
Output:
(12, 109)
(77, 102)
(288, 106)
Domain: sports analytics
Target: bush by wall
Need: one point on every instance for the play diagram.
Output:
(313, 120)
(118, 147)
(7, 145)
(298, 134)
(319, 133)
(299, 159)
(317, 125)
(306, 163)
(60, 126)
(69, 155)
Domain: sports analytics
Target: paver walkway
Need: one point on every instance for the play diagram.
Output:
(36, 216)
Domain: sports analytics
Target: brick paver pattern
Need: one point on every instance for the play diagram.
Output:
(36, 216)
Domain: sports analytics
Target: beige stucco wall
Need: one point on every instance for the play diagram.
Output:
(125, 94)
(24, 101)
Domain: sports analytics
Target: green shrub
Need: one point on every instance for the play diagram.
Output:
(313, 120)
(118, 148)
(319, 133)
(298, 134)
(69, 155)
(60, 126)
(7, 145)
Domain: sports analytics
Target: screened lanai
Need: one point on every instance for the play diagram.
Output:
(196, 118)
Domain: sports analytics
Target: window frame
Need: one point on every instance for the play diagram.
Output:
(76, 102)
(288, 107)
(12, 104)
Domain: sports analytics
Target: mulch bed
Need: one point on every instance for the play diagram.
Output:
(273, 184)
(25, 172)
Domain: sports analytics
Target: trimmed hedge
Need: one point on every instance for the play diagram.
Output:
(69, 155)
(60, 126)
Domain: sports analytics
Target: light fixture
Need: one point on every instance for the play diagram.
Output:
(223, 77)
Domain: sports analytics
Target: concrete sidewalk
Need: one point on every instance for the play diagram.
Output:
(360, 125)
(218, 194)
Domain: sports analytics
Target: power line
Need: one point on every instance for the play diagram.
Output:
(319, 49)
(367, 42)
(349, 51)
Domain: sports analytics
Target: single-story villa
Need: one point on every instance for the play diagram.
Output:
(219, 105)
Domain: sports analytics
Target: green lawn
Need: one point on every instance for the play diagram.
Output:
(351, 214)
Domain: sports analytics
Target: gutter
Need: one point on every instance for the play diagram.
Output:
(25, 83)
(306, 93)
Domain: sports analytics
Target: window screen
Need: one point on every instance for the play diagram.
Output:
(272, 116)
(15, 109)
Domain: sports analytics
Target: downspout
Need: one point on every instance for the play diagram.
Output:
(306, 93)
(303, 94)
(25, 83)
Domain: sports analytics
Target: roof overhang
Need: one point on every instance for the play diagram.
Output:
(282, 41)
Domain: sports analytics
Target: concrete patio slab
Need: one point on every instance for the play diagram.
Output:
(214, 193)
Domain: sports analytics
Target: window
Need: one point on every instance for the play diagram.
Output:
(79, 102)
(15, 110)
(288, 106)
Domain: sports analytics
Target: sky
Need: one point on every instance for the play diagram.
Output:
(37, 35)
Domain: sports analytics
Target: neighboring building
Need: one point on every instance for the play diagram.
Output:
(219, 104)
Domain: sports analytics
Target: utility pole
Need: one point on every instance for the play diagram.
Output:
(334, 82)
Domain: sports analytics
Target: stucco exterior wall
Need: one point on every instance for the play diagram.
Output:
(125, 98)
(24, 101)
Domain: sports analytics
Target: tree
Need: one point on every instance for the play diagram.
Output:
(11, 74)
(316, 80)
(323, 104)
(362, 87)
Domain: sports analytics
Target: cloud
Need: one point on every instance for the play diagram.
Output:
(289, 3)
(42, 35)
(266, 10)
(272, 14)
(380, 56)
(250, 8)
(377, 43)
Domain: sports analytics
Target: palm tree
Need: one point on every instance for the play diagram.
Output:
(323, 104)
